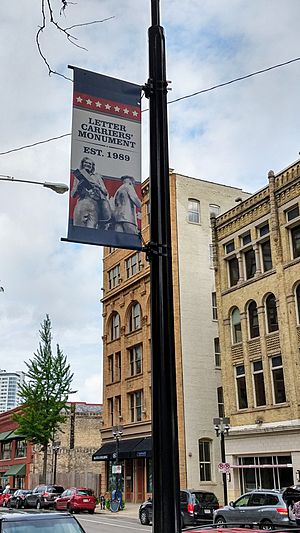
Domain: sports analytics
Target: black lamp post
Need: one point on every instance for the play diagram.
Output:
(117, 432)
(55, 449)
(222, 428)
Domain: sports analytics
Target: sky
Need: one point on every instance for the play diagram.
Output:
(232, 135)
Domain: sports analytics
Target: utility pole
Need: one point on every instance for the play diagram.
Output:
(165, 455)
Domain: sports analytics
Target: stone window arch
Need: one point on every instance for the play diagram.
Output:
(115, 326)
(135, 317)
(236, 330)
(271, 312)
(253, 320)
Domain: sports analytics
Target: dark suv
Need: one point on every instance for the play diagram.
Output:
(195, 506)
(43, 496)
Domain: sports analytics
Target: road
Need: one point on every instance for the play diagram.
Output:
(111, 524)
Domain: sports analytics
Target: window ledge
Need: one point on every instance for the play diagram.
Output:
(261, 408)
(136, 376)
(249, 281)
(291, 263)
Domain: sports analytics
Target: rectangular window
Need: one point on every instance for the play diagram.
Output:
(21, 448)
(204, 460)
(229, 247)
(135, 360)
(111, 368)
(110, 406)
(250, 263)
(214, 209)
(292, 213)
(259, 385)
(246, 239)
(214, 306)
(234, 274)
(6, 450)
(118, 366)
(220, 397)
(217, 351)
(278, 380)
(264, 230)
(135, 406)
(133, 265)
(266, 255)
(194, 211)
(295, 236)
(241, 387)
(148, 211)
(114, 277)
(118, 406)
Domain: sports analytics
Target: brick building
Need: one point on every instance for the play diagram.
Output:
(257, 263)
(127, 343)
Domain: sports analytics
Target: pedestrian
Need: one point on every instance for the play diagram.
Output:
(126, 203)
(297, 512)
(7, 488)
(102, 502)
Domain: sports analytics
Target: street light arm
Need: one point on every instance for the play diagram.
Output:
(60, 188)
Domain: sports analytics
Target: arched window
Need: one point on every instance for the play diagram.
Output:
(298, 303)
(194, 211)
(271, 309)
(115, 326)
(135, 317)
(253, 320)
(236, 326)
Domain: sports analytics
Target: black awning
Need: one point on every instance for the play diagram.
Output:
(107, 452)
(143, 448)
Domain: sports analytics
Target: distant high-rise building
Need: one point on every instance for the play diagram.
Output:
(9, 389)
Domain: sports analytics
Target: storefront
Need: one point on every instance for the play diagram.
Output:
(134, 456)
(265, 471)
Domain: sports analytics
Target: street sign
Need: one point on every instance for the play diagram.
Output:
(224, 467)
(117, 469)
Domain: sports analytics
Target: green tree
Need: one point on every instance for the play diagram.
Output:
(44, 393)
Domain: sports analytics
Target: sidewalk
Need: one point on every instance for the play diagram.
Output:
(131, 511)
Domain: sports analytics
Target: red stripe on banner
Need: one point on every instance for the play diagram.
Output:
(117, 109)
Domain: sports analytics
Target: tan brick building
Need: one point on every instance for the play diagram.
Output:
(127, 343)
(257, 262)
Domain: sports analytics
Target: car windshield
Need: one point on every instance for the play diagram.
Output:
(205, 497)
(66, 525)
(84, 492)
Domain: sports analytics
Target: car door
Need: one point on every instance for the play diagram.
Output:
(237, 513)
(61, 501)
(32, 498)
(253, 511)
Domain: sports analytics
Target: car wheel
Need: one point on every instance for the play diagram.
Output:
(38, 504)
(220, 521)
(144, 518)
(266, 524)
(91, 511)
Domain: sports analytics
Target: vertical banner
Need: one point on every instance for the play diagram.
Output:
(105, 186)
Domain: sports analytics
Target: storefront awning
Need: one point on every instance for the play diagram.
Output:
(16, 470)
(5, 434)
(128, 449)
(15, 435)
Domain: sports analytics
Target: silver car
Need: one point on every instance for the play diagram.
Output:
(265, 508)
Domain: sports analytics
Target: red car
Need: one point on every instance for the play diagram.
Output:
(4, 498)
(75, 500)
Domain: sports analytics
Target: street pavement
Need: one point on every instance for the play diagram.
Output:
(125, 521)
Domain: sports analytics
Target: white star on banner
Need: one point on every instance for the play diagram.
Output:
(78, 99)
(98, 104)
(126, 111)
(135, 113)
(107, 106)
(89, 102)
(117, 109)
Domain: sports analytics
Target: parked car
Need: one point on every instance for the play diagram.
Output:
(43, 496)
(265, 508)
(76, 500)
(5, 497)
(17, 499)
(195, 506)
(45, 522)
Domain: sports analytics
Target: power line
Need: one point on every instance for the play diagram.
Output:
(256, 73)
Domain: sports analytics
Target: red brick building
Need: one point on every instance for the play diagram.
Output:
(15, 453)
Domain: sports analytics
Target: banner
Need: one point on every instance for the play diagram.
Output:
(105, 182)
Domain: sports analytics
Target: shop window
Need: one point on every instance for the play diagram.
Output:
(250, 263)
(266, 255)
(259, 385)
(233, 269)
(271, 309)
(217, 351)
(135, 360)
(241, 387)
(115, 326)
(193, 211)
(278, 380)
(236, 326)
(295, 237)
(253, 320)
(135, 317)
(205, 459)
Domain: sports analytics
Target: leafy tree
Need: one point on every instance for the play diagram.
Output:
(44, 393)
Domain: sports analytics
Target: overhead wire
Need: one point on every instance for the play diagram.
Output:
(185, 97)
